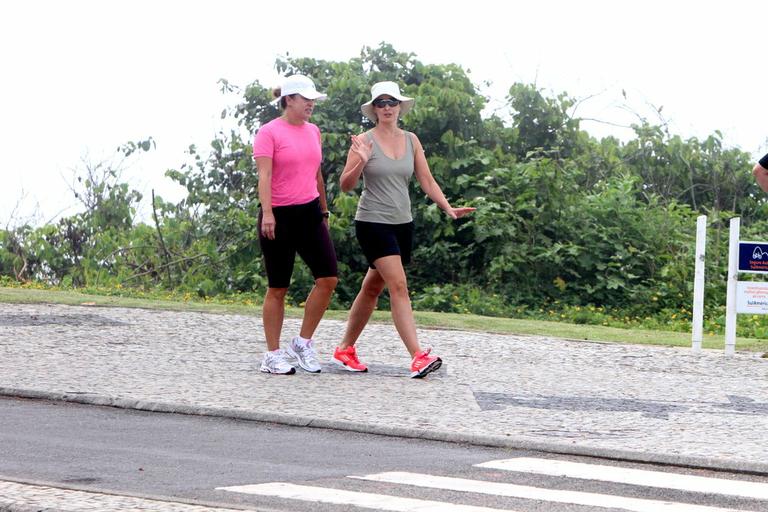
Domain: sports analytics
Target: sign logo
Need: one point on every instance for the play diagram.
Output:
(753, 257)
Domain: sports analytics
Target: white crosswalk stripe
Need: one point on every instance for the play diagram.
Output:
(692, 483)
(357, 499)
(526, 465)
(537, 493)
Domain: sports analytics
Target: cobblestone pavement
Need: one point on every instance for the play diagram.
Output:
(635, 402)
(17, 497)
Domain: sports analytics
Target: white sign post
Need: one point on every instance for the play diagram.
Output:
(730, 294)
(698, 283)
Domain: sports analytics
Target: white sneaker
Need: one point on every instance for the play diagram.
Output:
(274, 362)
(305, 355)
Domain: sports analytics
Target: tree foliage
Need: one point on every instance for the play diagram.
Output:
(561, 216)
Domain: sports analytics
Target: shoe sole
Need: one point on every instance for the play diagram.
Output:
(264, 369)
(431, 367)
(301, 365)
(348, 368)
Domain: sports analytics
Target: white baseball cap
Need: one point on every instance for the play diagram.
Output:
(302, 85)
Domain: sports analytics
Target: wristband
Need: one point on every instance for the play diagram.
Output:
(326, 214)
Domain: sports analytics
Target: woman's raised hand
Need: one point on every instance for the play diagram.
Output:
(362, 147)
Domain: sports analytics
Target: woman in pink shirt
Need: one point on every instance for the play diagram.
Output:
(293, 218)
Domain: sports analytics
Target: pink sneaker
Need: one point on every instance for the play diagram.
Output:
(424, 363)
(347, 359)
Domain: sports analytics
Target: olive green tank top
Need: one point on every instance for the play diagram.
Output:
(385, 197)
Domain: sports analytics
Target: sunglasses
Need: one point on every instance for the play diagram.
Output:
(385, 103)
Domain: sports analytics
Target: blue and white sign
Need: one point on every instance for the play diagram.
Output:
(753, 257)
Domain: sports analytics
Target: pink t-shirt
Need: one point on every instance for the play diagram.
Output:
(296, 154)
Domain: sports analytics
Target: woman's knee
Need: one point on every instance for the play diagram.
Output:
(327, 284)
(372, 290)
(398, 287)
(276, 294)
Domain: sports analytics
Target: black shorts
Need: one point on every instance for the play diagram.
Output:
(298, 229)
(378, 240)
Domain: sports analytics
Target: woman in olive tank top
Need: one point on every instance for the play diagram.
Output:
(386, 158)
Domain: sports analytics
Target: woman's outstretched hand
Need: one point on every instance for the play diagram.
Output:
(457, 213)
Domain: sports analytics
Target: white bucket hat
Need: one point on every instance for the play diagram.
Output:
(299, 84)
(390, 89)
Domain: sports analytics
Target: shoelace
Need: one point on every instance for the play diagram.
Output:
(422, 357)
(308, 352)
(277, 359)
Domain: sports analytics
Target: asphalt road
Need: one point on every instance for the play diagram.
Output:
(188, 458)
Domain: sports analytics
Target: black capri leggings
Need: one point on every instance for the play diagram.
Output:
(298, 229)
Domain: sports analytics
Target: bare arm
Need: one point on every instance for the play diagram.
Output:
(267, 227)
(429, 185)
(321, 191)
(761, 176)
(358, 156)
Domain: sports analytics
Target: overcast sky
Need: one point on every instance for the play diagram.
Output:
(82, 77)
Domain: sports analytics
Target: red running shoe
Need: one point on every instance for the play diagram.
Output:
(424, 363)
(347, 359)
